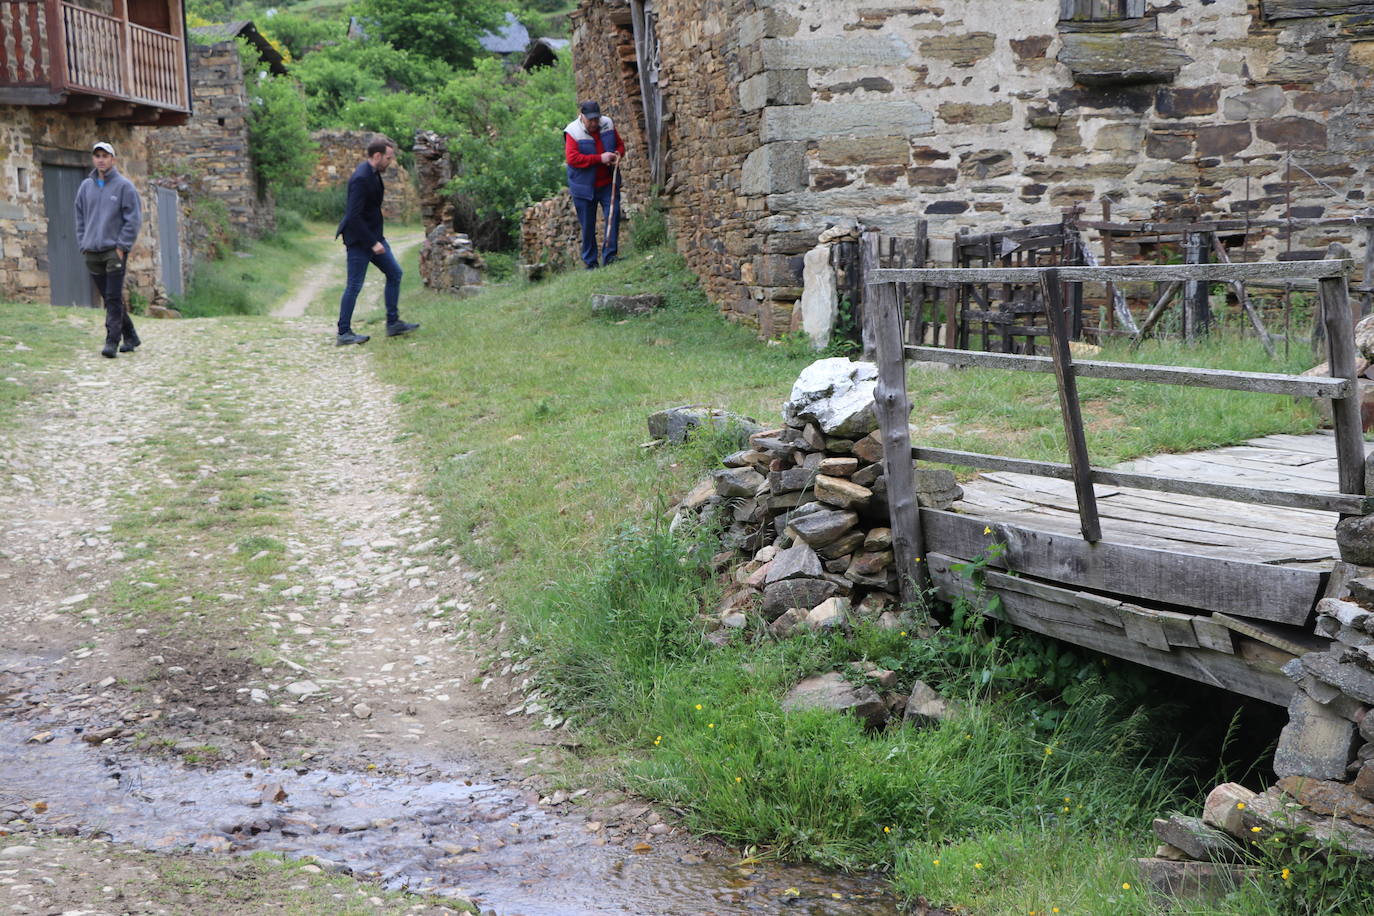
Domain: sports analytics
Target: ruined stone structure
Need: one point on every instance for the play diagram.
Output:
(550, 234)
(340, 151)
(773, 118)
(209, 153)
(34, 138)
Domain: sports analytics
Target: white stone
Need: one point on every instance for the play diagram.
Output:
(820, 299)
(837, 395)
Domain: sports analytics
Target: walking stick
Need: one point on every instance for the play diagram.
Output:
(615, 200)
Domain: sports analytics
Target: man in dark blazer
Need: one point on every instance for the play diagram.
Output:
(361, 228)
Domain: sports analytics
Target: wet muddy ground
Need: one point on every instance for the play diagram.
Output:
(173, 685)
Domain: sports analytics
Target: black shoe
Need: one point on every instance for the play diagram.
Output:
(396, 329)
(108, 351)
(344, 340)
(130, 346)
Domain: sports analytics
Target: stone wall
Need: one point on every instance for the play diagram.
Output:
(550, 234)
(340, 151)
(209, 153)
(785, 116)
(31, 137)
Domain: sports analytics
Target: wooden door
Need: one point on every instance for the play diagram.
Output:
(67, 276)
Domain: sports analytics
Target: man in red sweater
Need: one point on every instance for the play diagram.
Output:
(593, 148)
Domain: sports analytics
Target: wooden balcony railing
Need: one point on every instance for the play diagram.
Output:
(57, 50)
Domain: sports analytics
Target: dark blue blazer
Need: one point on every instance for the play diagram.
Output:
(362, 220)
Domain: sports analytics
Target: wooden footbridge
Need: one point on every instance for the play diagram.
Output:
(1206, 565)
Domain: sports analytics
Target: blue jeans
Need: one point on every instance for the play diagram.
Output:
(359, 256)
(586, 218)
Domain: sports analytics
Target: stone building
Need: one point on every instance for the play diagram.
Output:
(340, 151)
(766, 120)
(52, 110)
(209, 153)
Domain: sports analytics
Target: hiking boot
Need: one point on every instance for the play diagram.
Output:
(397, 328)
(344, 340)
(108, 351)
(130, 345)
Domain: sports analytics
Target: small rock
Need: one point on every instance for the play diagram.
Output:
(362, 711)
(302, 688)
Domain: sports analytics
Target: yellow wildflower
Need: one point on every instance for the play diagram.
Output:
(1285, 874)
(978, 865)
(1256, 829)
(987, 529)
(1125, 885)
(698, 706)
(710, 725)
(1240, 806)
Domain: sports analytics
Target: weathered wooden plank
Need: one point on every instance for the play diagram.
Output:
(894, 409)
(1217, 273)
(1212, 635)
(1293, 643)
(1299, 499)
(1196, 527)
(1144, 627)
(1345, 410)
(1177, 578)
(1265, 382)
(1061, 620)
(1069, 408)
(1306, 9)
(1105, 611)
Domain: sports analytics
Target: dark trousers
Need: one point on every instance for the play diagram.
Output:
(586, 218)
(107, 270)
(359, 256)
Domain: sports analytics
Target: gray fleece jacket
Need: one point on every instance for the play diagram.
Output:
(108, 213)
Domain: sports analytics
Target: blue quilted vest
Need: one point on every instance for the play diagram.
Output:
(582, 182)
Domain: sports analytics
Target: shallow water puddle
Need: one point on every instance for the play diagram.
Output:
(446, 837)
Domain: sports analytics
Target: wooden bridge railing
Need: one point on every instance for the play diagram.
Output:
(893, 403)
(59, 47)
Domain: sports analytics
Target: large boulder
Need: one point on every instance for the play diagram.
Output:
(837, 395)
(831, 691)
(675, 424)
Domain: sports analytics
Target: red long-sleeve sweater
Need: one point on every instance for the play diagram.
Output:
(579, 160)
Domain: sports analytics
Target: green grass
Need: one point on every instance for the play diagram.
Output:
(256, 279)
(530, 410)
(36, 342)
(1017, 413)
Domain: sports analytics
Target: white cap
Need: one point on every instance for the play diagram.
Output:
(102, 145)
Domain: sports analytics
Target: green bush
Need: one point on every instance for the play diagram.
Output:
(278, 140)
(506, 131)
(289, 221)
(213, 292)
(445, 31)
(325, 205)
(298, 34)
(649, 227)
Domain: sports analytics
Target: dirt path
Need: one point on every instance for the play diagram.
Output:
(331, 271)
(229, 621)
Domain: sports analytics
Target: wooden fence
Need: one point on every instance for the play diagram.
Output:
(893, 403)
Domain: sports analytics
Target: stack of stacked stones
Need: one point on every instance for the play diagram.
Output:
(806, 506)
(449, 263)
(1324, 760)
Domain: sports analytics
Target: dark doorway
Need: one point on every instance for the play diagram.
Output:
(67, 275)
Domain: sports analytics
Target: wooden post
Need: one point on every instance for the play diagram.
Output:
(1340, 344)
(920, 291)
(1239, 286)
(869, 262)
(1197, 314)
(894, 408)
(1069, 408)
(1368, 298)
(1156, 311)
(57, 46)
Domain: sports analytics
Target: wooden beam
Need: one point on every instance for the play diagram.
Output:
(1222, 273)
(1069, 407)
(1254, 590)
(1345, 411)
(893, 407)
(1061, 620)
(1291, 499)
(1303, 386)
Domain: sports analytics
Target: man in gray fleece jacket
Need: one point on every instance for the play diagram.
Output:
(108, 216)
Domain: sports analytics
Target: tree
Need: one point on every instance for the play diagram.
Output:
(445, 30)
(278, 140)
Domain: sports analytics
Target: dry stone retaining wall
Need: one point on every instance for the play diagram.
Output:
(784, 116)
(340, 151)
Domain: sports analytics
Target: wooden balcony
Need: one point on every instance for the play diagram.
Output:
(55, 53)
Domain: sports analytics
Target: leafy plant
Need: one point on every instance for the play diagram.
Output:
(845, 339)
(278, 139)
(446, 30)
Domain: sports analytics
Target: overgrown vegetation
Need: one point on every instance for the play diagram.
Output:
(255, 279)
(1036, 796)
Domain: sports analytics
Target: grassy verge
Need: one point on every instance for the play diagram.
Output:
(36, 341)
(257, 278)
(530, 409)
